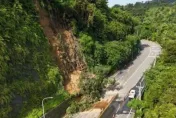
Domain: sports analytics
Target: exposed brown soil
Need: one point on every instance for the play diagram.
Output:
(65, 49)
(100, 105)
(103, 103)
(72, 85)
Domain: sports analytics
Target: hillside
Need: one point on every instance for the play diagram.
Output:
(65, 48)
(59, 48)
(158, 24)
(28, 71)
(160, 94)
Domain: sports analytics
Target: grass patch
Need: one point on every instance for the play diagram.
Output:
(49, 104)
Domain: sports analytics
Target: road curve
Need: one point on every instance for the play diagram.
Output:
(134, 72)
(128, 78)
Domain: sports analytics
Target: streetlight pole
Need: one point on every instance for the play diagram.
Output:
(43, 105)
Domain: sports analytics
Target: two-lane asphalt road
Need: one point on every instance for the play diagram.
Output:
(124, 111)
(130, 76)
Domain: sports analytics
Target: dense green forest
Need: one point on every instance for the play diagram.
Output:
(160, 89)
(109, 38)
(108, 41)
(99, 29)
(28, 70)
(28, 73)
(158, 24)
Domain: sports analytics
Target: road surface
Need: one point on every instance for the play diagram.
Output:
(124, 110)
(127, 78)
(130, 77)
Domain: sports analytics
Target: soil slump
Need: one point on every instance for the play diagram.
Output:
(65, 49)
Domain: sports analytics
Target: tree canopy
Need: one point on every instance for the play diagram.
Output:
(158, 24)
(109, 38)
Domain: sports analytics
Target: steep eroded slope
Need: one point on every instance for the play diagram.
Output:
(65, 49)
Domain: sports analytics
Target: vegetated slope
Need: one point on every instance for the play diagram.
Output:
(139, 8)
(28, 73)
(159, 99)
(107, 38)
(98, 29)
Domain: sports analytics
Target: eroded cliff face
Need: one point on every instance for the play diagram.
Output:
(65, 48)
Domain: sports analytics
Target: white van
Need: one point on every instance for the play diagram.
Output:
(132, 94)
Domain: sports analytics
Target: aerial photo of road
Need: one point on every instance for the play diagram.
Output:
(130, 77)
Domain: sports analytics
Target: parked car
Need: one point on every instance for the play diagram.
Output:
(132, 94)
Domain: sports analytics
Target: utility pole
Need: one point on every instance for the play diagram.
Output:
(140, 87)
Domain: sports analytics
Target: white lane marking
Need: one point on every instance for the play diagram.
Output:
(137, 68)
(135, 72)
